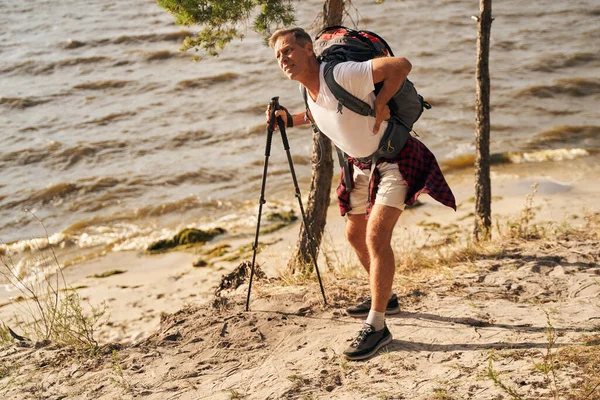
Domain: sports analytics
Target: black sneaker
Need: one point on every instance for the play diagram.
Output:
(362, 310)
(368, 342)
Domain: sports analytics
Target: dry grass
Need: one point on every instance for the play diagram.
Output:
(48, 310)
(5, 338)
(419, 257)
(586, 360)
(583, 360)
(524, 227)
(412, 259)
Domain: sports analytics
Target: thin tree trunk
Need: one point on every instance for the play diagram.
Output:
(322, 175)
(333, 12)
(483, 190)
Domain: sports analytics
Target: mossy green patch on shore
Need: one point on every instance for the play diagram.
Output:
(186, 237)
(283, 216)
(211, 254)
(217, 251)
(243, 251)
(279, 220)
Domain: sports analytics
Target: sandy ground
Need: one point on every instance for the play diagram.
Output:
(289, 345)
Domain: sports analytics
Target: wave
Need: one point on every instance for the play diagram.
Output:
(37, 67)
(73, 155)
(539, 13)
(31, 155)
(53, 194)
(547, 155)
(108, 118)
(186, 138)
(177, 206)
(18, 103)
(204, 82)
(147, 38)
(425, 53)
(101, 85)
(258, 108)
(91, 194)
(467, 69)
(103, 184)
(129, 39)
(73, 44)
(161, 55)
(575, 87)
(137, 214)
(132, 229)
(87, 194)
(202, 176)
(468, 160)
(438, 101)
(580, 136)
(510, 45)
(560, 61)
(54, 154)
(259, 129)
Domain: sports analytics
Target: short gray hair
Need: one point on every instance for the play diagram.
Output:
(302, 38)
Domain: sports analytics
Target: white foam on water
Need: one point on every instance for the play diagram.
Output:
(460, 150)
(28, 273)
(21, 246)
(547, 155)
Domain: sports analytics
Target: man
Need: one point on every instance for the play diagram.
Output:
(371, 217)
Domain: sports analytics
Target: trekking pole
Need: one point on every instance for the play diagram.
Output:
(286, 146)
(262, 201)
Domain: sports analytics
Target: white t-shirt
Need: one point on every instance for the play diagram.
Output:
(351, 132)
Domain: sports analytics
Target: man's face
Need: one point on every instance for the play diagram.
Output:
(291, 57)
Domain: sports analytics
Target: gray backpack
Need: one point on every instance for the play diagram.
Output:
(337, 44)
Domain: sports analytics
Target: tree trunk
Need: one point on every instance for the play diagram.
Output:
(483, 190)
(333, 12)
(322, 175)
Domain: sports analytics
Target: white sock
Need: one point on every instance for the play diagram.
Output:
(376, 319)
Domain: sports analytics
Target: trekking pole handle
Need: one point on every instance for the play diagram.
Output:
(274, 104)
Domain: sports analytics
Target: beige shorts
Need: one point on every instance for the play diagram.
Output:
(391, 191)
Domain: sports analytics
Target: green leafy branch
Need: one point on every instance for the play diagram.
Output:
(222, 21)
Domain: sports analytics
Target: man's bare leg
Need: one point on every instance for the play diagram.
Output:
(356, 233)
(374, 333)
(380, 227)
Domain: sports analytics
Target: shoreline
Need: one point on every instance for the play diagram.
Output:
(166, 335)
(164, 283)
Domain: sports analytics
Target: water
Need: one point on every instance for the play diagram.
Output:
(114, 139)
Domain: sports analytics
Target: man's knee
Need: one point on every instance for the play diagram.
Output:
(377, 243)
(355, 237)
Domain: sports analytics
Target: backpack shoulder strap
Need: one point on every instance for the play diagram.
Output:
(342, 157)
(345, 98)
(307, 114)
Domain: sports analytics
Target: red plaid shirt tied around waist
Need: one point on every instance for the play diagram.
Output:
(418, 167)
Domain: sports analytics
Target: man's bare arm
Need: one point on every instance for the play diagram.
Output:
(392, 71)
(298, 118)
